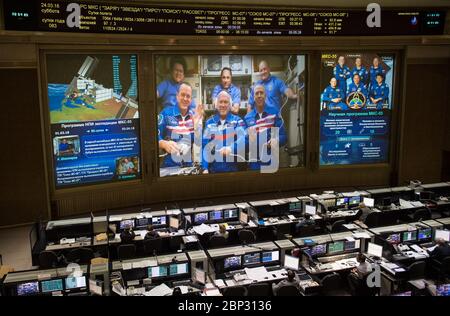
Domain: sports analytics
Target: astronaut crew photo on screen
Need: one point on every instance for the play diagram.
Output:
(229, 113)
(355, 105)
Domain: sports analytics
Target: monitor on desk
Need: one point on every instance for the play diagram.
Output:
(351, 244)
(393, 238)
(442, 234)
(159, 220)
(232, 262)
(52, 285)
(354, 200)
(74, 283)
(126, 223)
(157, 271)
(243, 217)
(291, 262)
(215, 215)
(443, 290)
(200, 218)
(174, 223)
(426, 196)
(375, 250)
(310, 209)
(141, 222)
(410, 236)
(318, 250)
(228, 214)
(270, 256)
(337, 246)
(369, 202)
(29, 288)
(178, 268)
(252, 258)
(425, 233)
(295, 207)
(342, 201)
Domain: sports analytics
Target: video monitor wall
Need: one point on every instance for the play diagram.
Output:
(94, 118)
(229, 113)
(356, 104)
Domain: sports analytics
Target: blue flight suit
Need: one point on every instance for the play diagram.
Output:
(358, 88)
(167, 91)
(172, 126)
(270, 118)
(233, 91)
(231, 133)
(332, 93)
(380, 91)
(275, 89)
(373, 75)
(63, 147)
(342, 74)
(362, 72)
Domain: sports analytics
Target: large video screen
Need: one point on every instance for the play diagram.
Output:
(356, 103)
(94, 116)
(229, 113)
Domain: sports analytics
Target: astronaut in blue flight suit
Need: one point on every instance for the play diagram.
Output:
(375, 69)
(379, 93)
(361, 71)
(223, 138)
(176, 125)
(227, 85)
(274, 88)
(358, 86)
(333, 97)
(259, 122)
(341, 72)
(167, 90)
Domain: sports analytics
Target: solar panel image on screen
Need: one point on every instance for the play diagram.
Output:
(52, 285)
(252, 258)
(230, 213)
(29, 288)
(232, 262)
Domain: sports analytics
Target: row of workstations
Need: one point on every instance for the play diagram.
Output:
(214, 271)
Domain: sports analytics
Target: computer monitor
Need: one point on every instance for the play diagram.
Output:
(270, 256)
(126, 223)
(425, 233)
(354, 200)
(174, 222)
(159, 220)
(310, 209)
(75, 283)
(386, 201)
(443, 290)
(349, 245)
(295, 206)
(243, 217)
(442, 234)
(341, 201)
(141, 222)
(52, 285)
(291, 262)
(426, 195)
(215, 215)
(157, 271)
(318, 250)
(252, 258)
(232, 262)
(369, 202)
(334, 247)
(375, 250)
(178, 268)
(393, 238)
(200, 218)
(29, 288)
(227, 214)
(410, 236)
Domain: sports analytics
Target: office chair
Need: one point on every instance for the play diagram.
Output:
(421, 215)
(416, 270)
(359, 287)
(331, 284)
(288, 290)
(152, 245)
(338, 226)
(127, 251)
(259, 289)
(48, 260)
(80, 255)
(441, 268)
(372, 219)
(246, 236)
(216, 241)
(235, 291)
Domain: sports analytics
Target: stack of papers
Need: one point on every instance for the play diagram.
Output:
(361, 235)
(256, 274)
(160, 290)
(202, 229)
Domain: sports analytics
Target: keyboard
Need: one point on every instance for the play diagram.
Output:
(303, 277)
(273, 268)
